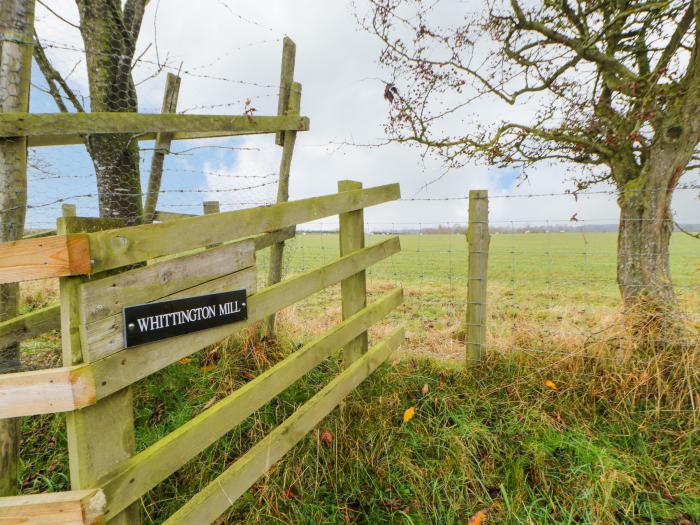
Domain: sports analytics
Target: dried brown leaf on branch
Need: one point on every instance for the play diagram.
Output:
(390, 92)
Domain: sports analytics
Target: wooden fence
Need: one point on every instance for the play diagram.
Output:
(104, 268)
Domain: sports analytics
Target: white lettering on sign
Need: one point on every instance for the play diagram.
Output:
(157, 322)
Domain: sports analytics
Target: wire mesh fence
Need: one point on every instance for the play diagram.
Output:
(552, 285)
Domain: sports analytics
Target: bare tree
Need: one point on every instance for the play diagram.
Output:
(617, 87)
(109, 31)
(16, 20)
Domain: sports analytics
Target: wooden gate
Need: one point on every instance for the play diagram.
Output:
(103, 269)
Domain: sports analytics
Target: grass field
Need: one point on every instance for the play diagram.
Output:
(555, 427)
(547, 291)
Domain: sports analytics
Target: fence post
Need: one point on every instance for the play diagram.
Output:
(289, 103)
(17, 41)
(100, 436)
(211, 207)
(478, 238)
(353, 289)
(162, 148)
(69, 210)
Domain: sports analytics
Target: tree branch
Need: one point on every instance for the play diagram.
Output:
(54, 79)
(676, 39)
(133, 16)
(585, 49)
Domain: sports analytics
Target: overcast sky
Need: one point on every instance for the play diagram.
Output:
(230, 52)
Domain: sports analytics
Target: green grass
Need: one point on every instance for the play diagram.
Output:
(573, 262)
(492, 437)
(615, 443)
(548, 292)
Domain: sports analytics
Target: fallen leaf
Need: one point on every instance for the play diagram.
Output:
(185, 360)
(425, 389)
(208, 368)
(479, 518)
(550, 384)
(327, 438)
(408, 414)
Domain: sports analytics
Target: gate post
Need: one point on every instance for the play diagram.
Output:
(353, 289)
(100, 436)
(478, 238)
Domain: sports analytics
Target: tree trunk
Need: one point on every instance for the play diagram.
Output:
(110, 40)
(643, 272)
(116, 161)
(16, 24)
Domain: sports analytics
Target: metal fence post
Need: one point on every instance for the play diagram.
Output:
(478, 238)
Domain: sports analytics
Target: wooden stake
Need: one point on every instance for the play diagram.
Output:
(354, 288)
(478, 238)
(289, 50)
(163, 140)
(277, 250)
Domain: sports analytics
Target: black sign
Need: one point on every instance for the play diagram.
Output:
(145, 323)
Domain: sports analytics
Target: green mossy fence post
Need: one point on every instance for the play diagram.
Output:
(478, 238)
(100, 436)
(353, 289)
(162, 148)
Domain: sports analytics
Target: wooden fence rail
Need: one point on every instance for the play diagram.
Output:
(53, 129)
(87, 253)
(186, 258)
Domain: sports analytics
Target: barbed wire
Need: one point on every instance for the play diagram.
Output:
(575, 194)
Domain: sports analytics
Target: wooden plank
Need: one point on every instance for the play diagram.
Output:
(125, 367)
(478, 239)
(161, 149)
(78, 507)
(115, 248)
(46, 391)
(220, 494)
(265, 240)
(162, 216)
(353, 290)
(289, 49)
(59, 124)
(104, 297)
(106, 336)
(90, 224)
(30, 325)
(47, 233)
(44, 257)
(148, 468)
